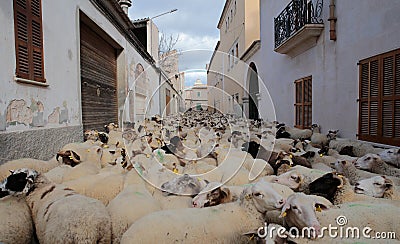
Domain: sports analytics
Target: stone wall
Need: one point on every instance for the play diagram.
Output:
(38, 143)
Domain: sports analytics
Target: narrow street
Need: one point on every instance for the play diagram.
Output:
(228, 121)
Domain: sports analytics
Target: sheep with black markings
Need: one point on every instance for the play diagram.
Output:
(222, 224)
(51, 206)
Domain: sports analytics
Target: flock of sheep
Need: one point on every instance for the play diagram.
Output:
(201, 177)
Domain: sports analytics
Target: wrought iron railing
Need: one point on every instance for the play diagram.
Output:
(297, 14)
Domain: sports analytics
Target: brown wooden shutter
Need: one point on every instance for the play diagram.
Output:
(29, 39)
(98, 80)
(303, 105)
(379, 98)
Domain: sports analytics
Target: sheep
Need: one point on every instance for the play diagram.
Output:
(172, 201)
(81, 170)
(222, 224)
(51, 206)
(359, 148)
(315, 212)
(295, 133)
(183, 185)
(128, 206)
(298, 178)
(103, 186)
(38, 165)
(373, 163)
(353, 174)
(56, 174)
(391, 156)
(377, 186)
(15, 219)
(318, 139)
(336, 189)
(215, 193)
(338, 156)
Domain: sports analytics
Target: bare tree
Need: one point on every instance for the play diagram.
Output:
(168, 55)
(167, 43)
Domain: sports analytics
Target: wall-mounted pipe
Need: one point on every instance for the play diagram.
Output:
(332, 19)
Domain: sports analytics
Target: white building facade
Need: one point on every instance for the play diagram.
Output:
(335, 63)
(65, 67)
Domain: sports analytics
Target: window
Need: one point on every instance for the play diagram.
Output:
(303, 105)
(379, 99)
(29, 39)
(198, 94)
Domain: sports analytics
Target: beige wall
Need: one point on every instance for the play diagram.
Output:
(239, 25)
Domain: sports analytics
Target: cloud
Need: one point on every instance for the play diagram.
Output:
(192, 76)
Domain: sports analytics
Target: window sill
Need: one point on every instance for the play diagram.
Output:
(31, 82)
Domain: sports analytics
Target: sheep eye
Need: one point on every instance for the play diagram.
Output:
(293, 177)
(369, 158)
(389, 152)
(294, 207)
(112, 152)
(258, 195)
(377, 184)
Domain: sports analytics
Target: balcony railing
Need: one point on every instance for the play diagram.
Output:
(295, 16)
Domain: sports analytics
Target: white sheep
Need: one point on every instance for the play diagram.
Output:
(373, 163)
(128, 206)
(353, 174)
(38, 165)
(391, 156)
(16, 224)
(359, 148)
(222, 224)
(60, 215)
(56, 174)
(103, 186)
(172, 201)
(296, 133)
(377, 186)
(298, 178)
(315, 212)
(317, 138)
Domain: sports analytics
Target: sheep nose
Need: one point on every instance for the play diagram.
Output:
(282, 201)
(357, 184)
(194, 204)
(275, 180)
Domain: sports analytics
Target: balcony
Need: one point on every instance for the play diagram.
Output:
(298, 27)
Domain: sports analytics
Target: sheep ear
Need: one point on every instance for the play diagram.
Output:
(284, 210)
(225, 191)
(388, 183)
(321, 202)
(75, 157)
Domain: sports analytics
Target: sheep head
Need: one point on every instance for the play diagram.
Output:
(377, 186)
(368, 161)
(20, 182)
(300, 211)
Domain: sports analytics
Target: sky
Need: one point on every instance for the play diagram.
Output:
(195, 23)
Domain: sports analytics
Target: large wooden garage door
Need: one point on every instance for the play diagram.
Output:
(98, 80)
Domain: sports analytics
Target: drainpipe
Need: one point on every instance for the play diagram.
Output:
(332, 19)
